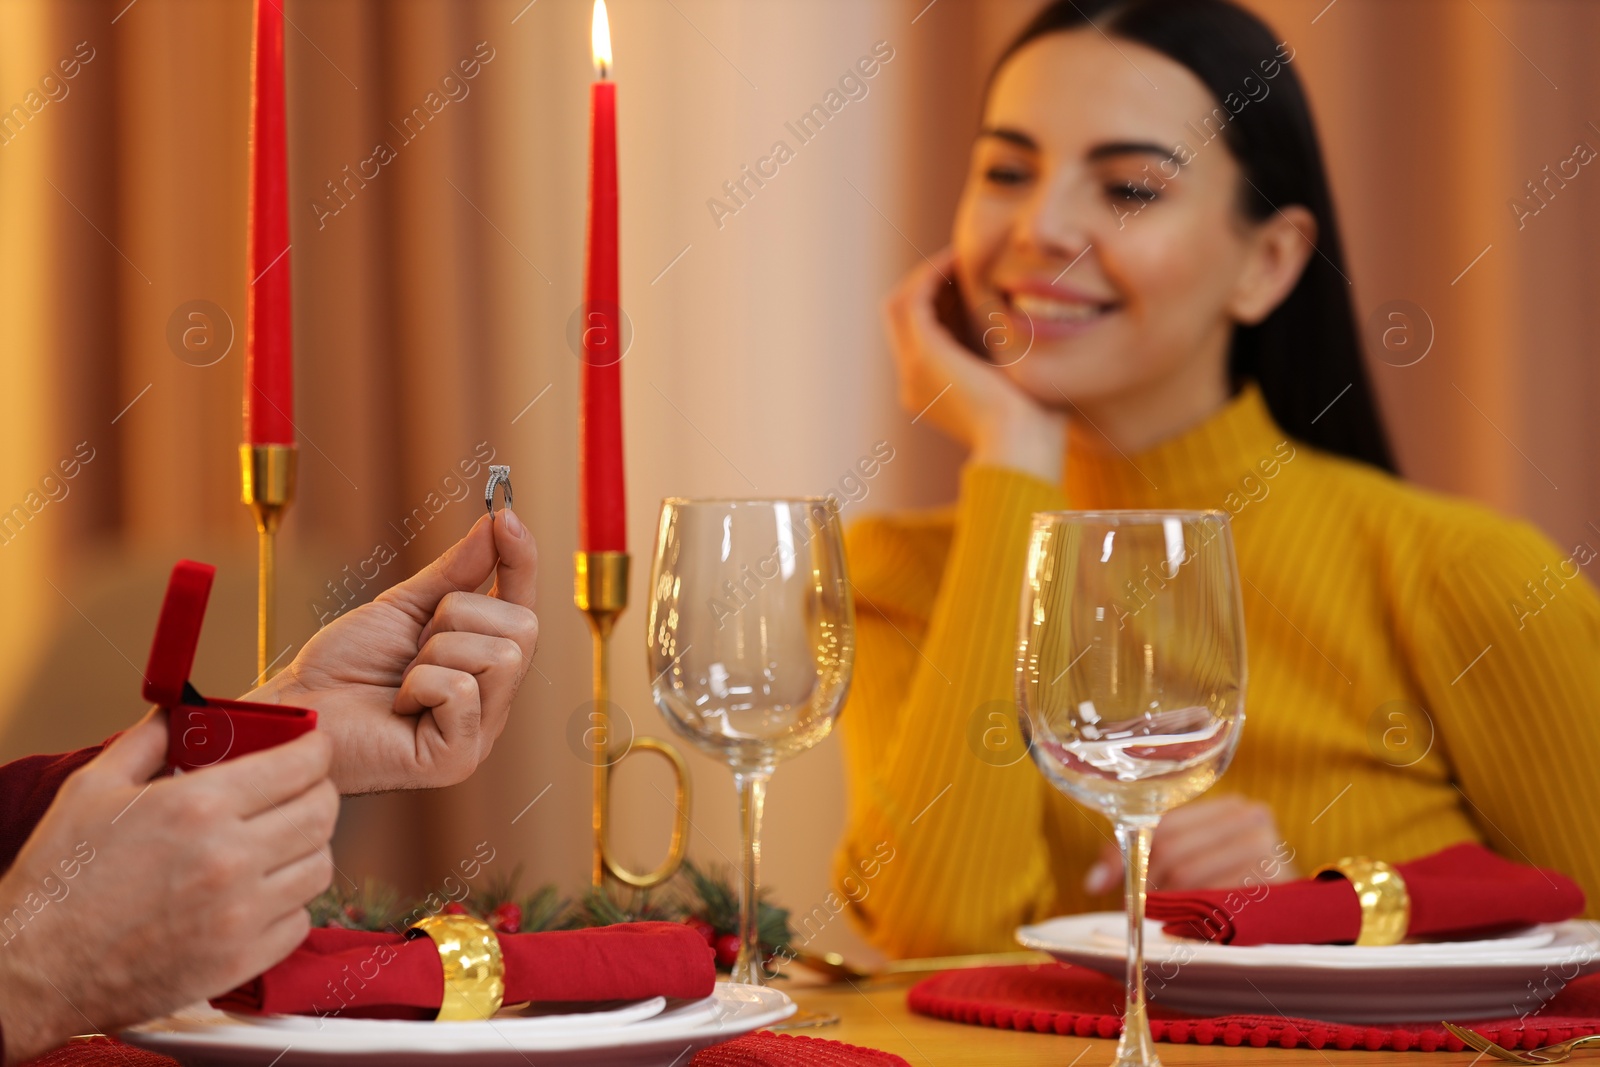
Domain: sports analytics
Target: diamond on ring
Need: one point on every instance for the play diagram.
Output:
(498, 475)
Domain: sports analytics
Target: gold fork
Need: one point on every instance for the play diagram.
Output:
(1558, 1053)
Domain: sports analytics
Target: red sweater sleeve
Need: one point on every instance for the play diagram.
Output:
(27, 788)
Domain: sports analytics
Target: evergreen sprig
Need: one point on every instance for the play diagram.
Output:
(713, 895)
(710, 895)
(546, 909)
(543, 909)
(599, 906)
(372, 906)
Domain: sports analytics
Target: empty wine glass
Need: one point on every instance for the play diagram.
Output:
(1131, 678)
(751, 640)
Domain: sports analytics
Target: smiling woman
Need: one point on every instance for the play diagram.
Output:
(1186, 319)
(1209, 264)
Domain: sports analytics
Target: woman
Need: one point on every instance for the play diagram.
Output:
(1146, 306)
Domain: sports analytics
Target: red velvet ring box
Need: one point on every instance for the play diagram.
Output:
(202, 731)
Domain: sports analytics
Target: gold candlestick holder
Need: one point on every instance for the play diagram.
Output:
(268, 475)
(601, 593)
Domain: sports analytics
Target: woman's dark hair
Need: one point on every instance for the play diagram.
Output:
(1307, 352)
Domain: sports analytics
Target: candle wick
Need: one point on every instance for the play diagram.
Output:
(605, 71)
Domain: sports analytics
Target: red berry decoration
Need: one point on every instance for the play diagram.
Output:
(354, 916)
(727, 947)
(454, 908)
(703, 928)
(506, 918)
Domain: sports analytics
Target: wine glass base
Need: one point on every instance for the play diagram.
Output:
(806, 1020)
(1131, 1059)
(1136, 1048)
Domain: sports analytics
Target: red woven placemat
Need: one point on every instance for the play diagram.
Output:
(101, 1052)
(1058, 999)
(767, 1049)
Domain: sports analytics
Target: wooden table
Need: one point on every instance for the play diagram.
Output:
(874, 1014)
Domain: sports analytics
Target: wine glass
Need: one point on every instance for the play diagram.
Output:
(751, 640)
(1130, 678)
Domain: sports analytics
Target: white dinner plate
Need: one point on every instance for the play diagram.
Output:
(1415, 982)
(548, 1018)
(203, 1035)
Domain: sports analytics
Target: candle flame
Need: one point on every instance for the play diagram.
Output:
(600, 37)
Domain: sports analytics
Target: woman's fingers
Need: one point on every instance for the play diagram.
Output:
(1214, 843)
(1205, 811)
(928, 341)
(1210, 839)
(920, 340)
(961, 391)
(1106, 873)
(1240, 859)
(923, 291)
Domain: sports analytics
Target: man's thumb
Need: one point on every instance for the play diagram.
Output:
(467, 564)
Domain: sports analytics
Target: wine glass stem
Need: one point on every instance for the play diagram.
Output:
(752, 786)
(1137, 1047)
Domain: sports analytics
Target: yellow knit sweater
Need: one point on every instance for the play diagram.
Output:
(1422, 672)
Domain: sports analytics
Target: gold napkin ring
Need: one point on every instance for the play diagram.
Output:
(1381, 892)
(474, 970)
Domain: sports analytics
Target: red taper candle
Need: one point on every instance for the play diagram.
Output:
(603, 525)
(269, 355)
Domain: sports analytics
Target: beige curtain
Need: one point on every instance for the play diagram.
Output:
(431, 315)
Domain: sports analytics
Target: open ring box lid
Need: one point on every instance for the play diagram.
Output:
(202, 731)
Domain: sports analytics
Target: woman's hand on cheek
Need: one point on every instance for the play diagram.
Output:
(957, 390)
(1216, 843)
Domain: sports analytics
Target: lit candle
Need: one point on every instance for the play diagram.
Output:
(603, 514)
(269, 371)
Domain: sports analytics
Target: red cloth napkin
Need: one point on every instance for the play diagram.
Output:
(363, 974)
(1462, 892)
